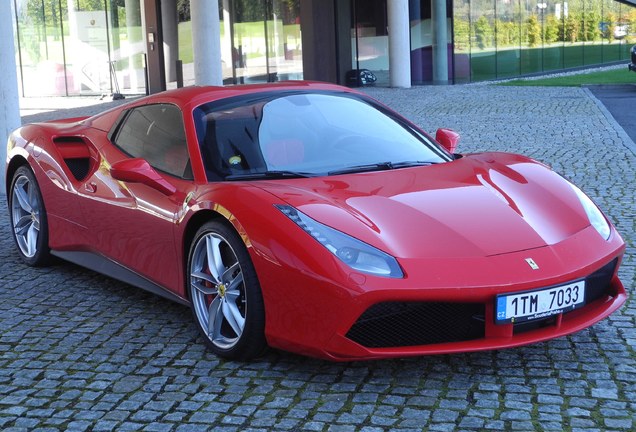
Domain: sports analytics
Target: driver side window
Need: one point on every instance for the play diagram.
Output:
(156, 134)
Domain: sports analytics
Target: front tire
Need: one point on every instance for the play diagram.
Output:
(28, 218)
(226, 297)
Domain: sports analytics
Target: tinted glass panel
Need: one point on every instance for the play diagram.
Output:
(483, 53)
(462, 41)
(155, 133)
(508, 39)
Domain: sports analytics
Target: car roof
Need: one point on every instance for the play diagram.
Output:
(197, 95)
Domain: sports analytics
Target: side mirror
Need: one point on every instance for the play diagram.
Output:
(448, 139)
(138, 170)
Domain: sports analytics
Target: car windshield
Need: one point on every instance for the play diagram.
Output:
(306, 134)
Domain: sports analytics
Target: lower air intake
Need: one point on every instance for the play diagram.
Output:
(398, 324)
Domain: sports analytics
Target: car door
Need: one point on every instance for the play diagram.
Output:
(130, 222)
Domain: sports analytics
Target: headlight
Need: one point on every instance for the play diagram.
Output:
(353, 252)
(595, 216)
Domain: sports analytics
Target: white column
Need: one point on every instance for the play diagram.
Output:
(10, 106)
(206, 42)
(399, 43)
(170, 38)
(440, 42)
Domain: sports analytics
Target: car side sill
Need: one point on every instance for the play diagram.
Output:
(110, 268)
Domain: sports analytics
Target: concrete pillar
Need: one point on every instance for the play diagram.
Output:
(170, 37)
(440, 42)
(10, 106)
(399, 43)
(206, 42)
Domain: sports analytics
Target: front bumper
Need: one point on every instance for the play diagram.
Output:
(484, 334)
(315, 315)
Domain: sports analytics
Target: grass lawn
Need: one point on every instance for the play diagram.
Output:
(612, 76)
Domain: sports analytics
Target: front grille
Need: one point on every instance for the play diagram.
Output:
(597, 285)
(398, 324)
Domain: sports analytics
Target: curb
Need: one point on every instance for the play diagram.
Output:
(627, 141)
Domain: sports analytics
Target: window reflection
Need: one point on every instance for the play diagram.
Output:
(508, 38)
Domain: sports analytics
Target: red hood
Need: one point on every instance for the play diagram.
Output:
(479, 205)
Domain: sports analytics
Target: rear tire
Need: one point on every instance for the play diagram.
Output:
(28, 219)
(227, 303)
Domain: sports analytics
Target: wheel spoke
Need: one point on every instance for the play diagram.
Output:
(205, 276)
(234, 284)
(232, 295)
(23, 199)
(233, 316)
(205, 290)
(23, 225)
(36, 221)
(32, 240)
(227, 274)
(215, 319)
(215, 262)
(33, 202)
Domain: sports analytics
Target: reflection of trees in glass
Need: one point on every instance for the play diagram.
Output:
(553, 29)
(630, 18)
(183, 10)
(462, 34)
(507, 33)
(534, 31)
(610, 26)
(515, 26)
(572, 26)
(591, 26)
(249, 10)
(483, 32)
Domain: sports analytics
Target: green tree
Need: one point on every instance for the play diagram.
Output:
(631, 19)
(483, 32)
(462, 34)
(610, 20)
(552, 29)
(572, 27)
(183, 10)
(534, 31)
(592, 26)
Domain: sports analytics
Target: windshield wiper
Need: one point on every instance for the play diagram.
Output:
(380, 166)
(269, 175)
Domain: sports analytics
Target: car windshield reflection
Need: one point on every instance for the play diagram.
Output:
(304, 135)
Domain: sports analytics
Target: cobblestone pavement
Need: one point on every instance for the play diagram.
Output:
(80, 351)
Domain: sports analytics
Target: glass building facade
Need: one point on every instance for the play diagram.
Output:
(75, 47)
(510, 38)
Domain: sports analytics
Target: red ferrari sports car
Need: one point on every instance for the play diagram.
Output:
(311, 218)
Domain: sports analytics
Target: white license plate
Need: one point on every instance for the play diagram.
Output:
(537, 304)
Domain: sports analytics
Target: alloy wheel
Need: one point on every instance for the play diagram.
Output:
(25, 208)
(218, 290)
